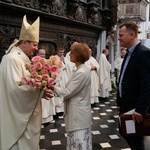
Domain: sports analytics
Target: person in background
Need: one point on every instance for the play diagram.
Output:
(134, 83)
(20, 110)
(60, 54)
(60, 81)
(77, 112)
(94, 67)
(48, 106)
(104, 75)
(41, 52)
(69, 65)
(118, 63)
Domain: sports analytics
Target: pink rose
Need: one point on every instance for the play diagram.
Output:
(46, 66)
(44, 71)
(38, 78)
(34, 74)
(32, 68)
(54, 75)
(49, 62)
(31, 82)
(45, 77)
(43, 60)
(38, 66)
(37, 84)
(44, 83)
(36, 59)
(27, 66)
(53, 58)
(25, 80)
(51, 81)
(54, 69)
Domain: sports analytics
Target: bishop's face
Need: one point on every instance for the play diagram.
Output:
(30, 47)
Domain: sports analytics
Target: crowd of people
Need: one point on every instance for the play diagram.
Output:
(82, 82)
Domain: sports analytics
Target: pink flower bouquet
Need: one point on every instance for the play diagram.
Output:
(42, 72)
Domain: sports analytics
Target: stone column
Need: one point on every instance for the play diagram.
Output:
(101, 44)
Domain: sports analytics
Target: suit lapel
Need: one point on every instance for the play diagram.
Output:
(123, 64)
(133, 54)
(130, 60)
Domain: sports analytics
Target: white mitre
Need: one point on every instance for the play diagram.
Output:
(29, 32)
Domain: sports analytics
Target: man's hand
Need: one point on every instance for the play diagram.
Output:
(62, 58)
(137, 117)
(93, 67)
(48, 93)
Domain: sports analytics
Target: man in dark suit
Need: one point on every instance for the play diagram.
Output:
(134, 81)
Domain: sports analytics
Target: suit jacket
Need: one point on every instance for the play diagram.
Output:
(77, 104)
(136, 82)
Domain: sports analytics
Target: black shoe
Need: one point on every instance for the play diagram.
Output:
(92, 105)
(59, 114)
(103, 98)
(96, 104)
(46, 124)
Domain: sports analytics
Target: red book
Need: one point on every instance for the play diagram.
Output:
(128, 127)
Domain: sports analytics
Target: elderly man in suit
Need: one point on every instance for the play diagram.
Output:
(134, 81)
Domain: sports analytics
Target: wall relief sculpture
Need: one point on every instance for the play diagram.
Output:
(8, 1)
(62, 21)
(57, 7)
(28, 3)
(77, 11)
(95, 16)
(6, 33)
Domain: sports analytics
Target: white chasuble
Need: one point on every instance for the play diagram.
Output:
(94, 79)
(20, 109)
(104, 76)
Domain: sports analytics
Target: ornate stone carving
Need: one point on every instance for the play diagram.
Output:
(44, 5)
(9, 1)
(77, 11)
(92, 42)
(61, 40)
(64, 33)
(94, 16)
(28, 3)
(6, 33)
(66, 40)
(57, 7)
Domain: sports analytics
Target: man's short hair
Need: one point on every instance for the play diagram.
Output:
(130, 26)
(104, 50)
